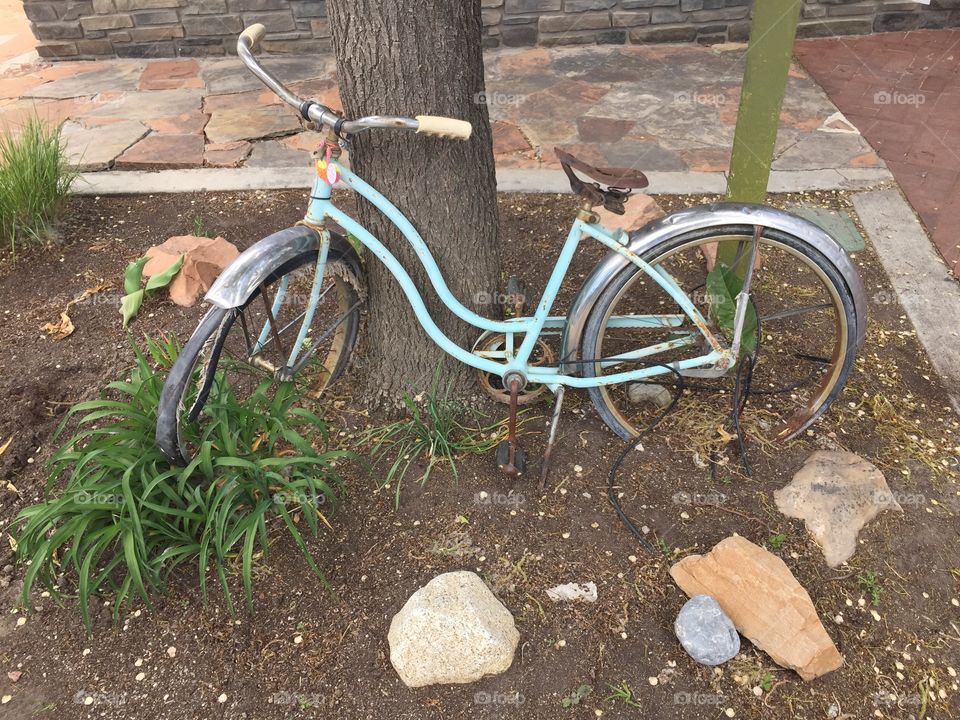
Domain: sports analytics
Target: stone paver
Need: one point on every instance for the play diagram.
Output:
(665, 109)
(163, 152)
(902, 90)
(96, 148)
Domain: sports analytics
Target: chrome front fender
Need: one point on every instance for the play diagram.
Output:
(699, 218)
(245, 274)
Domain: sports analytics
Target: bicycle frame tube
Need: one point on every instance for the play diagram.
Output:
(322, 207)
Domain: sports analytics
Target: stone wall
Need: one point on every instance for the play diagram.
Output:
(168, 28)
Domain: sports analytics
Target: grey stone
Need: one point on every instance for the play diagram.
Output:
(263, 122)
(106, 22)
(452, 630)
(212, 24)
(273, 21)
(576, 6)
(120, 76)
(58, 30)
(96, 148)
(525, 6)
(705, 631)
(519, 35)
(649, 394)
(155, 17)
(153, 104)
(275, 154)
(40, 12)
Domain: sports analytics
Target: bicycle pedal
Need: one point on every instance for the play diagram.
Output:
(512, 468)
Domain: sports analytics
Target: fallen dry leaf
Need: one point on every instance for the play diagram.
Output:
(65, 328)
(3, 448)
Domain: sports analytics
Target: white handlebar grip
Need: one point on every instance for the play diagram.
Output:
(444, 127)
(254, 34)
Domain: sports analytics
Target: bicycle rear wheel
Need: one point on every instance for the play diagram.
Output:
(246, 350)
(807, 329)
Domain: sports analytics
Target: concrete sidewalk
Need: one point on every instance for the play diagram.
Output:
(667, 109)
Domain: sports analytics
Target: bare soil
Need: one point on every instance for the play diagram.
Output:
(901, 654)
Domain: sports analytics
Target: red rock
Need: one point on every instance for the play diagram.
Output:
(758, 592)
(183, 124)
(508, 138)
(203, 260)
(641, 209)
(163, 152)
(601, 129)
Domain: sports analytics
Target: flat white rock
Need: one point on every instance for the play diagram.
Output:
(575, 592)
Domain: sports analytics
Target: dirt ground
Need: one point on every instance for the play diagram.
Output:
(901, 654)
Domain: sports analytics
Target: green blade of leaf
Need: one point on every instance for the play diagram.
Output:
(133, 274)
(161, 280)
(130, 305)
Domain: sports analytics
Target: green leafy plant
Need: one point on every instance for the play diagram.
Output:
(777, 540)
(622, 693)
(437, 430)
(577, 696)
(870, 583)
(134, 294)
(125, 520)
(35, 180)
(723, 286)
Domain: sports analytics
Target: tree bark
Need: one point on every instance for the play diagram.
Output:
(414, 57)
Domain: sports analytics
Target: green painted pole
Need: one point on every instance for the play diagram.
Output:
(772, 33)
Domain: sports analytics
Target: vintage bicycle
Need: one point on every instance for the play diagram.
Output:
(289, 308)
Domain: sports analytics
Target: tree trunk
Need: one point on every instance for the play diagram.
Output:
(410, 57)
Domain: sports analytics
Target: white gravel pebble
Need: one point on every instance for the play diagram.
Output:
(222, 698)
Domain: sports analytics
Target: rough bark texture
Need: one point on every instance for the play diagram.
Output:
(413, 57)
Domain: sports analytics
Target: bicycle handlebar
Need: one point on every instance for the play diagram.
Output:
(322, 115)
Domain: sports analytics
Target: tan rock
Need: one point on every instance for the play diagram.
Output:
(766, 603)
(204, 259)
(452, 630)
(836, 493)
(641, 209)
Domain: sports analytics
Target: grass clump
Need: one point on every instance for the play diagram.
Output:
(35, 180)
(437, 430)
(126, 519)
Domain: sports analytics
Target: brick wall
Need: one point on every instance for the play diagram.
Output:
(168, 28)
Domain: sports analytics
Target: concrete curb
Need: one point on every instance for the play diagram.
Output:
(509, 180)
(924, 286)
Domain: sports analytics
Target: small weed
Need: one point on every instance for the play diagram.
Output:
(438, 429)
(777, 540)
(35, 180)
(622, 693)
(200, 228)
(577, 696)
(766, 681)
(870, 584)
(664, 547)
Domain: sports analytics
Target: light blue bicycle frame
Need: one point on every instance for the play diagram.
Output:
(512, 358)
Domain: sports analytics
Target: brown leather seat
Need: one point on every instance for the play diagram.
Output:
(619, 182)
(614, 177)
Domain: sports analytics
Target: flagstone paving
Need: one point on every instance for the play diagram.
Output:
(657, 108)
(902, 90)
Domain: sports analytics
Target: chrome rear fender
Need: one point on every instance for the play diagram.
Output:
(695, 219)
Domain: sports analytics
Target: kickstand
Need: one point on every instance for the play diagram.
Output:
(554, 421)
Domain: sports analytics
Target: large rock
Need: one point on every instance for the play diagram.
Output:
(706, 632)
(203, 260)
(836, 493)
(766, 603)
(452, 630)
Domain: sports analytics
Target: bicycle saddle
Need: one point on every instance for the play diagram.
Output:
(619, 180)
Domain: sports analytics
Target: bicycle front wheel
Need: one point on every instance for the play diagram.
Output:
(806, 329)
(271, 338)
